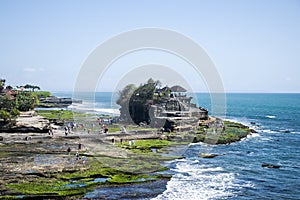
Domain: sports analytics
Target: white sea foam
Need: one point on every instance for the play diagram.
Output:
(252, 135)
(265, 139)
(271, 116)
(202, 144)
(295, 132)
(85, 106)
(268, 131)
(108, 111)
(195, 181)
(93, 108)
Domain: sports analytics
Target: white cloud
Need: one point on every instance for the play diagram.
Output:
(29, 69)
(32, 69)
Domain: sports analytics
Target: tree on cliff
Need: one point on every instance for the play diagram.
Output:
(135, 102)
(141, 100)
(32, 87)
(123, 101)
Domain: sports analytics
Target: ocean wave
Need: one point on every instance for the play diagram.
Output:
(278, 131)
(265, 139)
(253, 135)
(195, 181)
(295, 132)
(107, 111)
(93, 108)
(202, 144)
(269, 131)
(271, 116)
(82, 106)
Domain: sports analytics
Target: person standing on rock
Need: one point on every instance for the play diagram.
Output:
(50, 131)
(105, 129)
(83, 158)
(69, 150)
(77, 155)
(66, 131)
(123, 129)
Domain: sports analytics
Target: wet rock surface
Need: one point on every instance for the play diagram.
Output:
(33, 159)
(36, 155)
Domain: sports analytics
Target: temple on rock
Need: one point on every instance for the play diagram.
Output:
(168, 108)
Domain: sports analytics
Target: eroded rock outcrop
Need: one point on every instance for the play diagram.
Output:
(28, 122)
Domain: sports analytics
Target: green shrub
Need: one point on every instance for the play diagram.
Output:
(25, 101)
(4, 115)
(7, 102)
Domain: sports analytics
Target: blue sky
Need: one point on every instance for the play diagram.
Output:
(255, 44)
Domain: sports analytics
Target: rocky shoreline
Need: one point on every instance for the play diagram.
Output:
(34, 155)
(56, 102)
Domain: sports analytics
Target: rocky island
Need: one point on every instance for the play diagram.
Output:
(171, 110)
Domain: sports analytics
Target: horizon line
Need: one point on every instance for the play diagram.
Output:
(226, 92)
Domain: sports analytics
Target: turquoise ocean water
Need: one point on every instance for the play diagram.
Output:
(238, 174)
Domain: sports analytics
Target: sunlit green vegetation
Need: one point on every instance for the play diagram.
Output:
(61, 114)
(42, 94)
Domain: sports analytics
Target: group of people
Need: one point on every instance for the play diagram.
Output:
(51, 132)
(77, 156)
(101, 121)
(130, 142)
(88, 128)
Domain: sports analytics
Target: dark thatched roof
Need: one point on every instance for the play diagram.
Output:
(177, 88)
